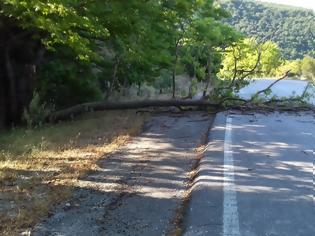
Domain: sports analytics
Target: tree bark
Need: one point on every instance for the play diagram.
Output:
(71, 112)
(190, 89)
(11, 86)
(174, 69)
(2, 103)
(114, 78)
(21, 54)
(139, 89)
(208, 78)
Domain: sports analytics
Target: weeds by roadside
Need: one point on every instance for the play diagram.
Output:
(38, 167)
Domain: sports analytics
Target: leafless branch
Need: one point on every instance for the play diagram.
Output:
(270, 86)
(252, 71)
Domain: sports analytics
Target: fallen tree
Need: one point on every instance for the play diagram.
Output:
(240, 104)
(71, 112)
(234, 103)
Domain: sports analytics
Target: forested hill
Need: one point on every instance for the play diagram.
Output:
(291, 28)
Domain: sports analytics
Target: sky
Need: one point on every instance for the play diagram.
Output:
(310, 4)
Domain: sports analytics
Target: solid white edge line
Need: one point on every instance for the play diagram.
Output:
(230, 211)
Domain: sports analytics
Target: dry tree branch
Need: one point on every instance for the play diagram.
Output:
(241, 72)
(248, 73)
(235, 67)
(270, 86)
(71, 112)
(305, 90)
(294, 99)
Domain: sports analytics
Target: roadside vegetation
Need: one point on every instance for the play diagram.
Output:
(62, 58)
(39, 167)
(63, 53)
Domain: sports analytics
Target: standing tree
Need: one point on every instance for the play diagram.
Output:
(308, 68)
(28, 29)
(208, 38)
(248, 59)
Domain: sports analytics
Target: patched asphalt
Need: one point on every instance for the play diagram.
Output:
(273, 178)
(140, 189)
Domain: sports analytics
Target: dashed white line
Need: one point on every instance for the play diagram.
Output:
(230, 212)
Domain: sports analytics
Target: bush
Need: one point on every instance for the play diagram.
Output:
(65, 83)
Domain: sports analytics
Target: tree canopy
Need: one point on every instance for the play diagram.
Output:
(67, 52)
(76, 51)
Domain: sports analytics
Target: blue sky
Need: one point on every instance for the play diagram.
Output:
(300, 3)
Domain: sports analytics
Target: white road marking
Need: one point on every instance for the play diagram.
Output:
(230, 212)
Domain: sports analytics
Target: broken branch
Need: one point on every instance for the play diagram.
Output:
(270, 86)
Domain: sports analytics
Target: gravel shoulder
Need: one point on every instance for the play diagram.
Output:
(139, 189)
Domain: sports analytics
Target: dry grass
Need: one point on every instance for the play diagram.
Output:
(38, 167)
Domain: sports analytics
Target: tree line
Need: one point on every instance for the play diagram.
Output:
(71, 52)
(61, 53)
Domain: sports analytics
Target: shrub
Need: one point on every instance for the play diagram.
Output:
(65, 83)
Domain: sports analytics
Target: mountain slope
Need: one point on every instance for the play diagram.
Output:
(292, 28)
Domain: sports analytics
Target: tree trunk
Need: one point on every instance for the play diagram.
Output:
(174, 69)
(139, 89)
(114, 78)
(173, 79)
(21, 53)
(208, 78)
(69, 113)
(190, 87)
(2, 103)
(26, 87)
(125, 87)
(12, 107)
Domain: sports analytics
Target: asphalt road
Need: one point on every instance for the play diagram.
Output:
(139, 189)
(256, 178)
(284, 88)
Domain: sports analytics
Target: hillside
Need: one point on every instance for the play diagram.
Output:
(291, 28)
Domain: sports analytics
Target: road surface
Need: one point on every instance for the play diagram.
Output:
(138, 190)
(284, 88)
(256, 178)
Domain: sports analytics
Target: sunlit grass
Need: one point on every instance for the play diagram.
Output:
(38, 167)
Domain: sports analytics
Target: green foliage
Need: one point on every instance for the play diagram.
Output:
(308, 68)
(58, 22)
(163, 82)
(65, 83)
(205, 38)
(294, 66)
(270, 58)
(248, 57)
(304, 68)
(290, 27)
(83, 50)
